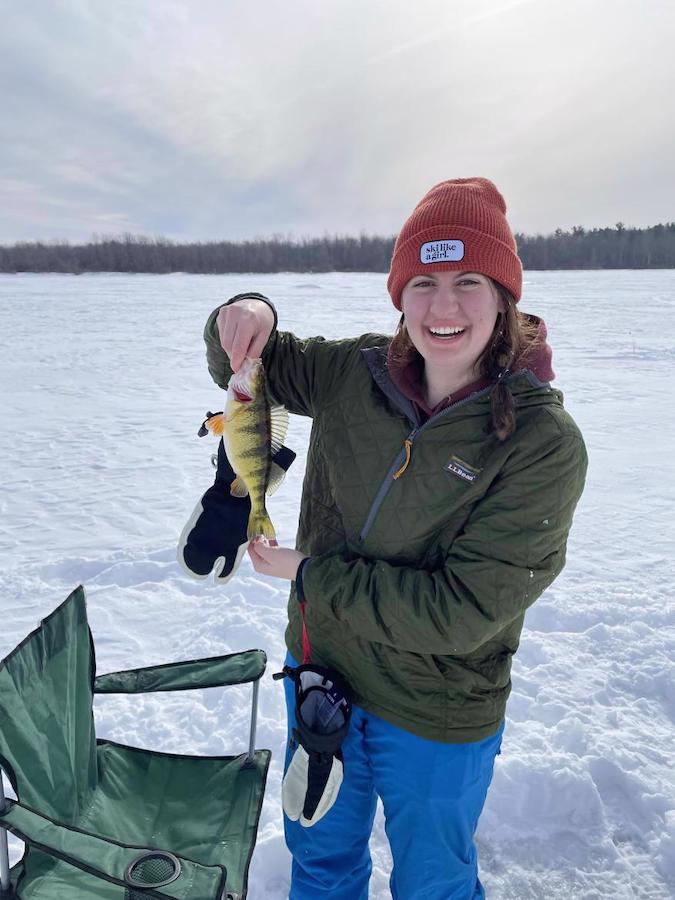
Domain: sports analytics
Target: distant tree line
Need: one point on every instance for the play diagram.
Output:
(600, 248)
(597, 248)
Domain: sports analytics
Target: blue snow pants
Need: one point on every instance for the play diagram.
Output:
(432, 794)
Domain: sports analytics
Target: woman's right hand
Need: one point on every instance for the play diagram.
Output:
(244, 328)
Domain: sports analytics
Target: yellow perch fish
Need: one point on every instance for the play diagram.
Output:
(252, 432)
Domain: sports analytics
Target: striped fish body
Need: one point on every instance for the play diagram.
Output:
(252, 432)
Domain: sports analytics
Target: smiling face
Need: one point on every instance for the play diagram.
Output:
(450, 317)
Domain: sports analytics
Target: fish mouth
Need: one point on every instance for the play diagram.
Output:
(240, 396)
(243, 383)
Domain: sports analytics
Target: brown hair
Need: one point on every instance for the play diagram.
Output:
(513, 336)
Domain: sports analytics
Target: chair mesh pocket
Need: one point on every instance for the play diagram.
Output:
(152, 869)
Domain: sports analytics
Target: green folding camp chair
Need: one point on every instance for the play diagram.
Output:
(102, 820)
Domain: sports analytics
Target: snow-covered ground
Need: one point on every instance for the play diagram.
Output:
(103, 385)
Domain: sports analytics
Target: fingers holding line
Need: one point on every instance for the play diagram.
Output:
(239, 348)
(241, 335)
(259, 550)
(235, 339)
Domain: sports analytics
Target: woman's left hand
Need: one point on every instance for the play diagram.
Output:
(281, 562)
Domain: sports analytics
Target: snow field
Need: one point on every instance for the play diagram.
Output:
(103, 385)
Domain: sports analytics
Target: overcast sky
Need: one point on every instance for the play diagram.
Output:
(211, 119)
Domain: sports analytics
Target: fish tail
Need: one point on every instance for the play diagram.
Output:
(260, 525)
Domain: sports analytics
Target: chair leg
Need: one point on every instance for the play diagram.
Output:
(254, 719)
(5, 885)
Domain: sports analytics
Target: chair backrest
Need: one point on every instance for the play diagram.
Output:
(47, 738)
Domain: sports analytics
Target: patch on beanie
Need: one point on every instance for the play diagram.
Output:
(442, 251)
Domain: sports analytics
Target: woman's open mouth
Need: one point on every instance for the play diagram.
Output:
(445, 335)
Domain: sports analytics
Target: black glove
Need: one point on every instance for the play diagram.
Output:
(214, 537)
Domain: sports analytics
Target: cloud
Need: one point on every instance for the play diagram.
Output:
(235, 120)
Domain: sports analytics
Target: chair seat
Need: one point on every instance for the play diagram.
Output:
(211, 817)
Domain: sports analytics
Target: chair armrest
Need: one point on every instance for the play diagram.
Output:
(107, 859)
(215, 671)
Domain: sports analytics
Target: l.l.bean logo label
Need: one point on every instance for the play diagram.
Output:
(462, 469)
(442, 251)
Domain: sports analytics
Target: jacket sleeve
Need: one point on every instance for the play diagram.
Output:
(511, 549)
(301, 374)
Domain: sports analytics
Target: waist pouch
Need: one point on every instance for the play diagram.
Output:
(323, 710)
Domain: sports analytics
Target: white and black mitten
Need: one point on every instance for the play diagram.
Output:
(323, 711)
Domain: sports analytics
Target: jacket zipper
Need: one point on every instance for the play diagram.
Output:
(398, 467)
(402, 461)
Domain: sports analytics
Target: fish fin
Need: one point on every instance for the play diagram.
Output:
(216, 424)
(238, 487)
(278, 426)
(260, 525)
(276, 476)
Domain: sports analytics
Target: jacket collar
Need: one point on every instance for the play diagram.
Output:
(402, 384)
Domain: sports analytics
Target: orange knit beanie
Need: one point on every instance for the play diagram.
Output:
(459, 225)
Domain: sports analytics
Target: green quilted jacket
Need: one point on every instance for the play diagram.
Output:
(418, 584)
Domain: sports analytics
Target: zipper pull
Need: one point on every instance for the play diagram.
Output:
(408, 450)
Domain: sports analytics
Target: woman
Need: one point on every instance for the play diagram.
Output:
(442, 476)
